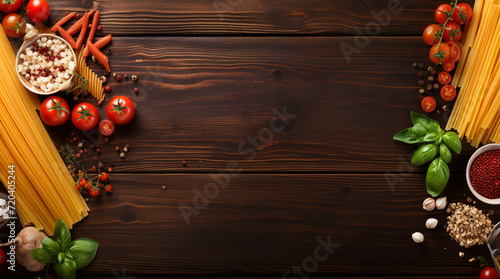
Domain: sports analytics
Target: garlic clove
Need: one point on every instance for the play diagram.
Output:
(431, 223)
(417, 237)
(441, 203)
(429, 204)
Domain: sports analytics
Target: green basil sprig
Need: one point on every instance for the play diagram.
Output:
(436, 149)
(66, 255)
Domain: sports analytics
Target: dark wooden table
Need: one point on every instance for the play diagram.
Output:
(263, 90)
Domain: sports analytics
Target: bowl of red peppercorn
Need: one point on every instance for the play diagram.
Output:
(483, 173)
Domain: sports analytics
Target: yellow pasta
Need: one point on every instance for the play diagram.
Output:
(44, 188)
(94, 85)
(476, 114)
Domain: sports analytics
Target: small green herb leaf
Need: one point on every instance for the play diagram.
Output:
(419, 130)
(52, 247)
(84, 250)
(444, 153)
(41, 255)
(431, 137)
(61, 257)
(62, 235)
(437, 177)
(424, 154)
(453, 141)
(66, 269)
(430, 125)
(407, 136)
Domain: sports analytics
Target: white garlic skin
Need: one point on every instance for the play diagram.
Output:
(429, 204)
(441, 203)
(417, 237)
(431, 223)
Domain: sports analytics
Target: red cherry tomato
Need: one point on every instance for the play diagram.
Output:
(441, 54)
(108, 188)
(3, 256)
(449, 65)
(85, 116)
(448, 93)
(488, 273)
(94, 193)
(83, 182)
(462, 13)
(455, 50)
(428, 104)
(103, 177)
(54, 111)
(38, 10)
(452, 32)
(10, 6)
(106, 127)
(430, 35)
(14, 25)
(442, 12)
(444, 78)
(120, 110)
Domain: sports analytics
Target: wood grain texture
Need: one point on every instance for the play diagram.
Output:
(200, 98)
(306, 17)
(264, 224)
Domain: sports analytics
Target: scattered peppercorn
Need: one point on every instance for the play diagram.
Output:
(434, 73)
(70, 167)
(81, 151)
(106, 139)
(421, 82)
(75, 138)
(421, 91)
(125, 149)
(92, 146)
(67, 12)
(85, 150)
(117, 148)
(164, 187)
(93, 169)
(436, 86)
(414, 65)
(99, 103)
(445, 108)
(184, 163)
(134, 78)
(99, 27)
(122, 155)
(98, 151)
(77, 16)
(125, 76)
(107, 88)
(94, 59)
(430, 78)
(80, 144)
(420, 74)
(421, 65)
(429, 87)
(136, 91)
(101, 165)
(118, 78)
(75, 98)
(103, 79)
(78, 155)
(438, 112)
(110, 169)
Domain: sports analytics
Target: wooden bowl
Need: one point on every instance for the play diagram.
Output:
(63, 87)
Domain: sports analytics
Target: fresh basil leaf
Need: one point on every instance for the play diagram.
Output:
(438, 140)
(431, 137)
(41, 255)
(66, 269)
(84, 250)
(444, 153)
(453, 141)
(430, 125)
(407, 136)
(419, 130)
(51, 246)
(424, 154)
(62, 235)
(61, 257)
(70, 255)
(437, 177)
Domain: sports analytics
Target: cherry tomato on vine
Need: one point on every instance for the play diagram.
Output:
(94, 193)
(88, 186)
(488, 273)
(455, 50)
(106, 127)
(462, 13)
(444, 78)
(430, 35)
(442, 12)
(38, 10)
(120, 110)
(103, 176)
(448, 93)
(83, 182)
(14, 25)
(85, 116)
(10, 6)
(452, 32)
(440, 54)
(54, 111)
(449, 65)
(78, 187)
(428, 104)
(108, 188)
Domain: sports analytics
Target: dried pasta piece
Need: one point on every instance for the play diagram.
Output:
(94, 85)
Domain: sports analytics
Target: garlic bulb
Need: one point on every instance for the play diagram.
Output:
(429, 204)
(417, 237)
(431, 223)
(441, 203)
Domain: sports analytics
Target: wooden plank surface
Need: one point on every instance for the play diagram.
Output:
(201, 98)
(264, 224)
(343, 17)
